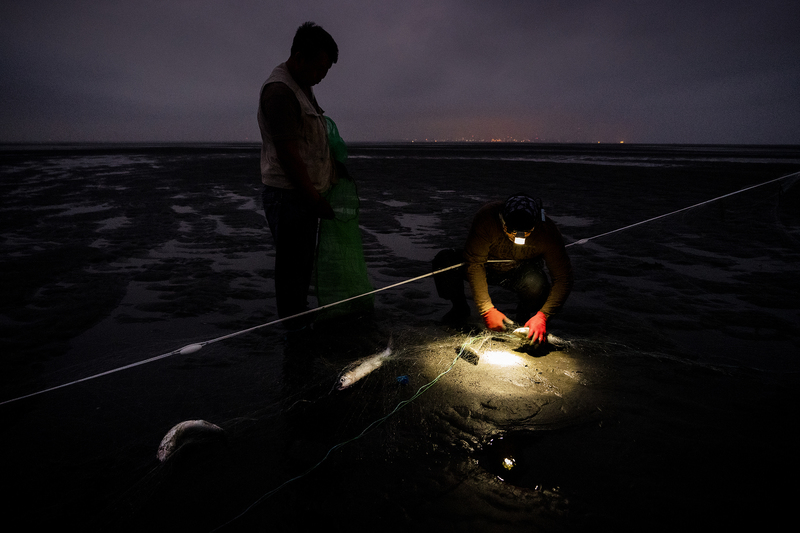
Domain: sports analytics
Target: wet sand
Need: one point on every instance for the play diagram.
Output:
(673, 403)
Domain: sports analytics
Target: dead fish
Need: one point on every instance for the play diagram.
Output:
(552, 339)
(522, 333)
(192, 434)
(362, 368)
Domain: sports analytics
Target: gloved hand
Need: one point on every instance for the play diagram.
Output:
(495, 320)
(537, 331)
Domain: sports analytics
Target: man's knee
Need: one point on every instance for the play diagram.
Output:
(532, 284)
(535, 283)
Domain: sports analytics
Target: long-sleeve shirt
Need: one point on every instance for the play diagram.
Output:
(487, 240)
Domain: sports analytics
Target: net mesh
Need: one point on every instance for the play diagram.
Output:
(340, 270)
(335, 141)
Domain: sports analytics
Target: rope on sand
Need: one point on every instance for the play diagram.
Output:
(191, 348)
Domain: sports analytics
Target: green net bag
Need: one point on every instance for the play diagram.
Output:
(337, 145)
(340, 270)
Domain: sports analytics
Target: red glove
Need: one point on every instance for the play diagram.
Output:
(495, 320)
(537, 332)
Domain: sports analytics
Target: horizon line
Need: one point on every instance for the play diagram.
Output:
(398, 141)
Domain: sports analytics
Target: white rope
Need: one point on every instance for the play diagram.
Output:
(584, 241)
(191, 348)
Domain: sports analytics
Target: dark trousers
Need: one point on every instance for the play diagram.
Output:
(528, 280)
(294, 234)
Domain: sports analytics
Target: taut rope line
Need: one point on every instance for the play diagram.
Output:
(191, 348)
(584, 241)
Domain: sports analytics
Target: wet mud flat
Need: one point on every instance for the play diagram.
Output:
(672, 405)
(578, 437)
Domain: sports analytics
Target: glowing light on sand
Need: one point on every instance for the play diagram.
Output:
(501, 358)
(509, 463)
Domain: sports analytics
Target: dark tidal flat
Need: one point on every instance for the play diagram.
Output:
(670, 403)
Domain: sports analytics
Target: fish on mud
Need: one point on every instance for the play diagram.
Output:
(522, 333)
(191, 434)
(361, 368)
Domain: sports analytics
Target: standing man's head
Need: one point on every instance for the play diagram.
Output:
(313, 52)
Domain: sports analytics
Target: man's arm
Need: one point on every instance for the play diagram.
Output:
(295, 169)
(476, 251)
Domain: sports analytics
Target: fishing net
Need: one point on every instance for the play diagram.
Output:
(337, 144)
(340, 270)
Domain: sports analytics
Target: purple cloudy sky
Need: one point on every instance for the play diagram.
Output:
(666, 71)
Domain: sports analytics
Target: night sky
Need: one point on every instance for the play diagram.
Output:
(670, 71)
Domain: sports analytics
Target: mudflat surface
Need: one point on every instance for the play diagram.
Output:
(669, 399)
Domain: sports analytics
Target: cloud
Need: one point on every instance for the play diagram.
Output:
(653, 71)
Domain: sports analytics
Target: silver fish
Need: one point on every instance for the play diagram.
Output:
(197, 433)
(522, 333)
(364, 367)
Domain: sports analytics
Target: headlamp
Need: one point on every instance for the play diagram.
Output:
(517, 237)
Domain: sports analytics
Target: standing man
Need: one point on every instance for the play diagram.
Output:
(521, 240)
(296, 163)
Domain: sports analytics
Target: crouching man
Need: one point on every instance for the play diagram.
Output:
(510, 243)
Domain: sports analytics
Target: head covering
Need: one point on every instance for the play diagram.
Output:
(520, 213)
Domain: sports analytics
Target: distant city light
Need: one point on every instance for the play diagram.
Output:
(507, 139)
